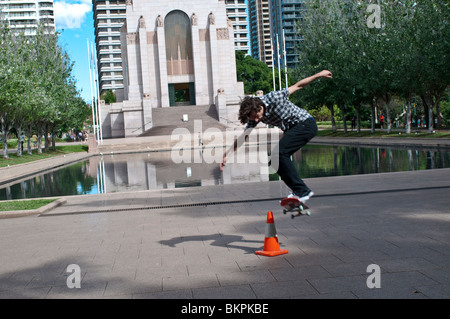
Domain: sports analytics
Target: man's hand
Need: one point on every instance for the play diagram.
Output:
(325, 74)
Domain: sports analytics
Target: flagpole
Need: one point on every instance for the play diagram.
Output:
(99, 114)
(285, 62)
(279, 62)
(92, 94)
(273, 64)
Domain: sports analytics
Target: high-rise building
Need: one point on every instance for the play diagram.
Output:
(284, 15)
(237, 14)
(259, 26)
(109, 17)
(25, 15)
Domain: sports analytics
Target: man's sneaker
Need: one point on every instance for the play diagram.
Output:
(306, 197)
(303, 198)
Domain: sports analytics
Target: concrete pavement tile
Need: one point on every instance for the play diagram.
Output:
(299, 273)
(435, 291)
(245, 277)
(441, 275)
(332, 295)
(119, 287)
(368, 256)
(86, 291)
(348, 269)
(282, 289)
(405, 279)
(228, 292)
(212, 269)
(390, 293)
(405, 264)
(177, 282)
(318, 258)
(24, 293)
(339, 284)
(264, 263)
(171, 294)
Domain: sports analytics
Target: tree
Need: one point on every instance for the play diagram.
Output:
(256, 75)
(403, 53)
(432, 48)
(37, 90)
(109, 97)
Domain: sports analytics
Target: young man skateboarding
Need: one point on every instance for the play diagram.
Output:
(298, 125)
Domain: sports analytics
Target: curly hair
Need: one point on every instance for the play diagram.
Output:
(249, 104)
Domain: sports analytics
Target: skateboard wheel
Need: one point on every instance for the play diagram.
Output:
(292, 216)
(284, 211)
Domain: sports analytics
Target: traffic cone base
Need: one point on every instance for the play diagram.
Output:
(271, 245)
(271, 248)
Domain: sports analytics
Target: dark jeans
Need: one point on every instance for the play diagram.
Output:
(293, 140)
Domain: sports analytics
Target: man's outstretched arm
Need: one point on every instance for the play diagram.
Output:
(237, 143)
(306, 81)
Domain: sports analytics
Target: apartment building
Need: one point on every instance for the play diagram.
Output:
(237, 14)
(109, 17)
(259, 26)
(25, 15)
(284, 15)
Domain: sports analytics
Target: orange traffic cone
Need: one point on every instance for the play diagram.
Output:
(271, 246)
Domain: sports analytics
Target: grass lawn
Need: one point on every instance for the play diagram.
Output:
(24, 204)
(60, 150)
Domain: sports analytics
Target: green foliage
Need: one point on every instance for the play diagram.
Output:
(109, 97)
(406, 56)
(256, 75)
(37, 90)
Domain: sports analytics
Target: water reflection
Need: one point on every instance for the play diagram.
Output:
(319, 161)
(144, 171)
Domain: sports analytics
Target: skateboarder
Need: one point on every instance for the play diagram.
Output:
(298, 125)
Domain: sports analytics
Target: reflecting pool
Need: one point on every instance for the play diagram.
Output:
(157, 170)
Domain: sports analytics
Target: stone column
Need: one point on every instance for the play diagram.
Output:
(164, 85)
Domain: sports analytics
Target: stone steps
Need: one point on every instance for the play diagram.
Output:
(167, 119)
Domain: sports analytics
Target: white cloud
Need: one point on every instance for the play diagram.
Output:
(71, 14)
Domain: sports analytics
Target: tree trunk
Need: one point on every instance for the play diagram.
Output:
(428, 100)
(29, 140)
(39, 140)
(344, 122)
(333, 120)
(358, 118)
(46, 138)
(5, 130)
(437, 102)
(53, 139)
(20, 140)
(372, 120)
(388, 119)
(408, 117)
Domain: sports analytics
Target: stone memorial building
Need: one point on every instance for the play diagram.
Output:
(174, 54)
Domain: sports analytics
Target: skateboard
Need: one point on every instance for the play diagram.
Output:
(293, 204)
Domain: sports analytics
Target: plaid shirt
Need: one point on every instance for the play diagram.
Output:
(280, 111)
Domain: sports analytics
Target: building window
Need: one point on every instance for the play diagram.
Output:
(177, 29)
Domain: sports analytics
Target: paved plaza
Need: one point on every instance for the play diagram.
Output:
(199, 242)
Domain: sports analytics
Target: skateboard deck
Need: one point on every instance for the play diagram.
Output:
(291, 204)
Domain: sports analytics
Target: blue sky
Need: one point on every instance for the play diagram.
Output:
(74, 21)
